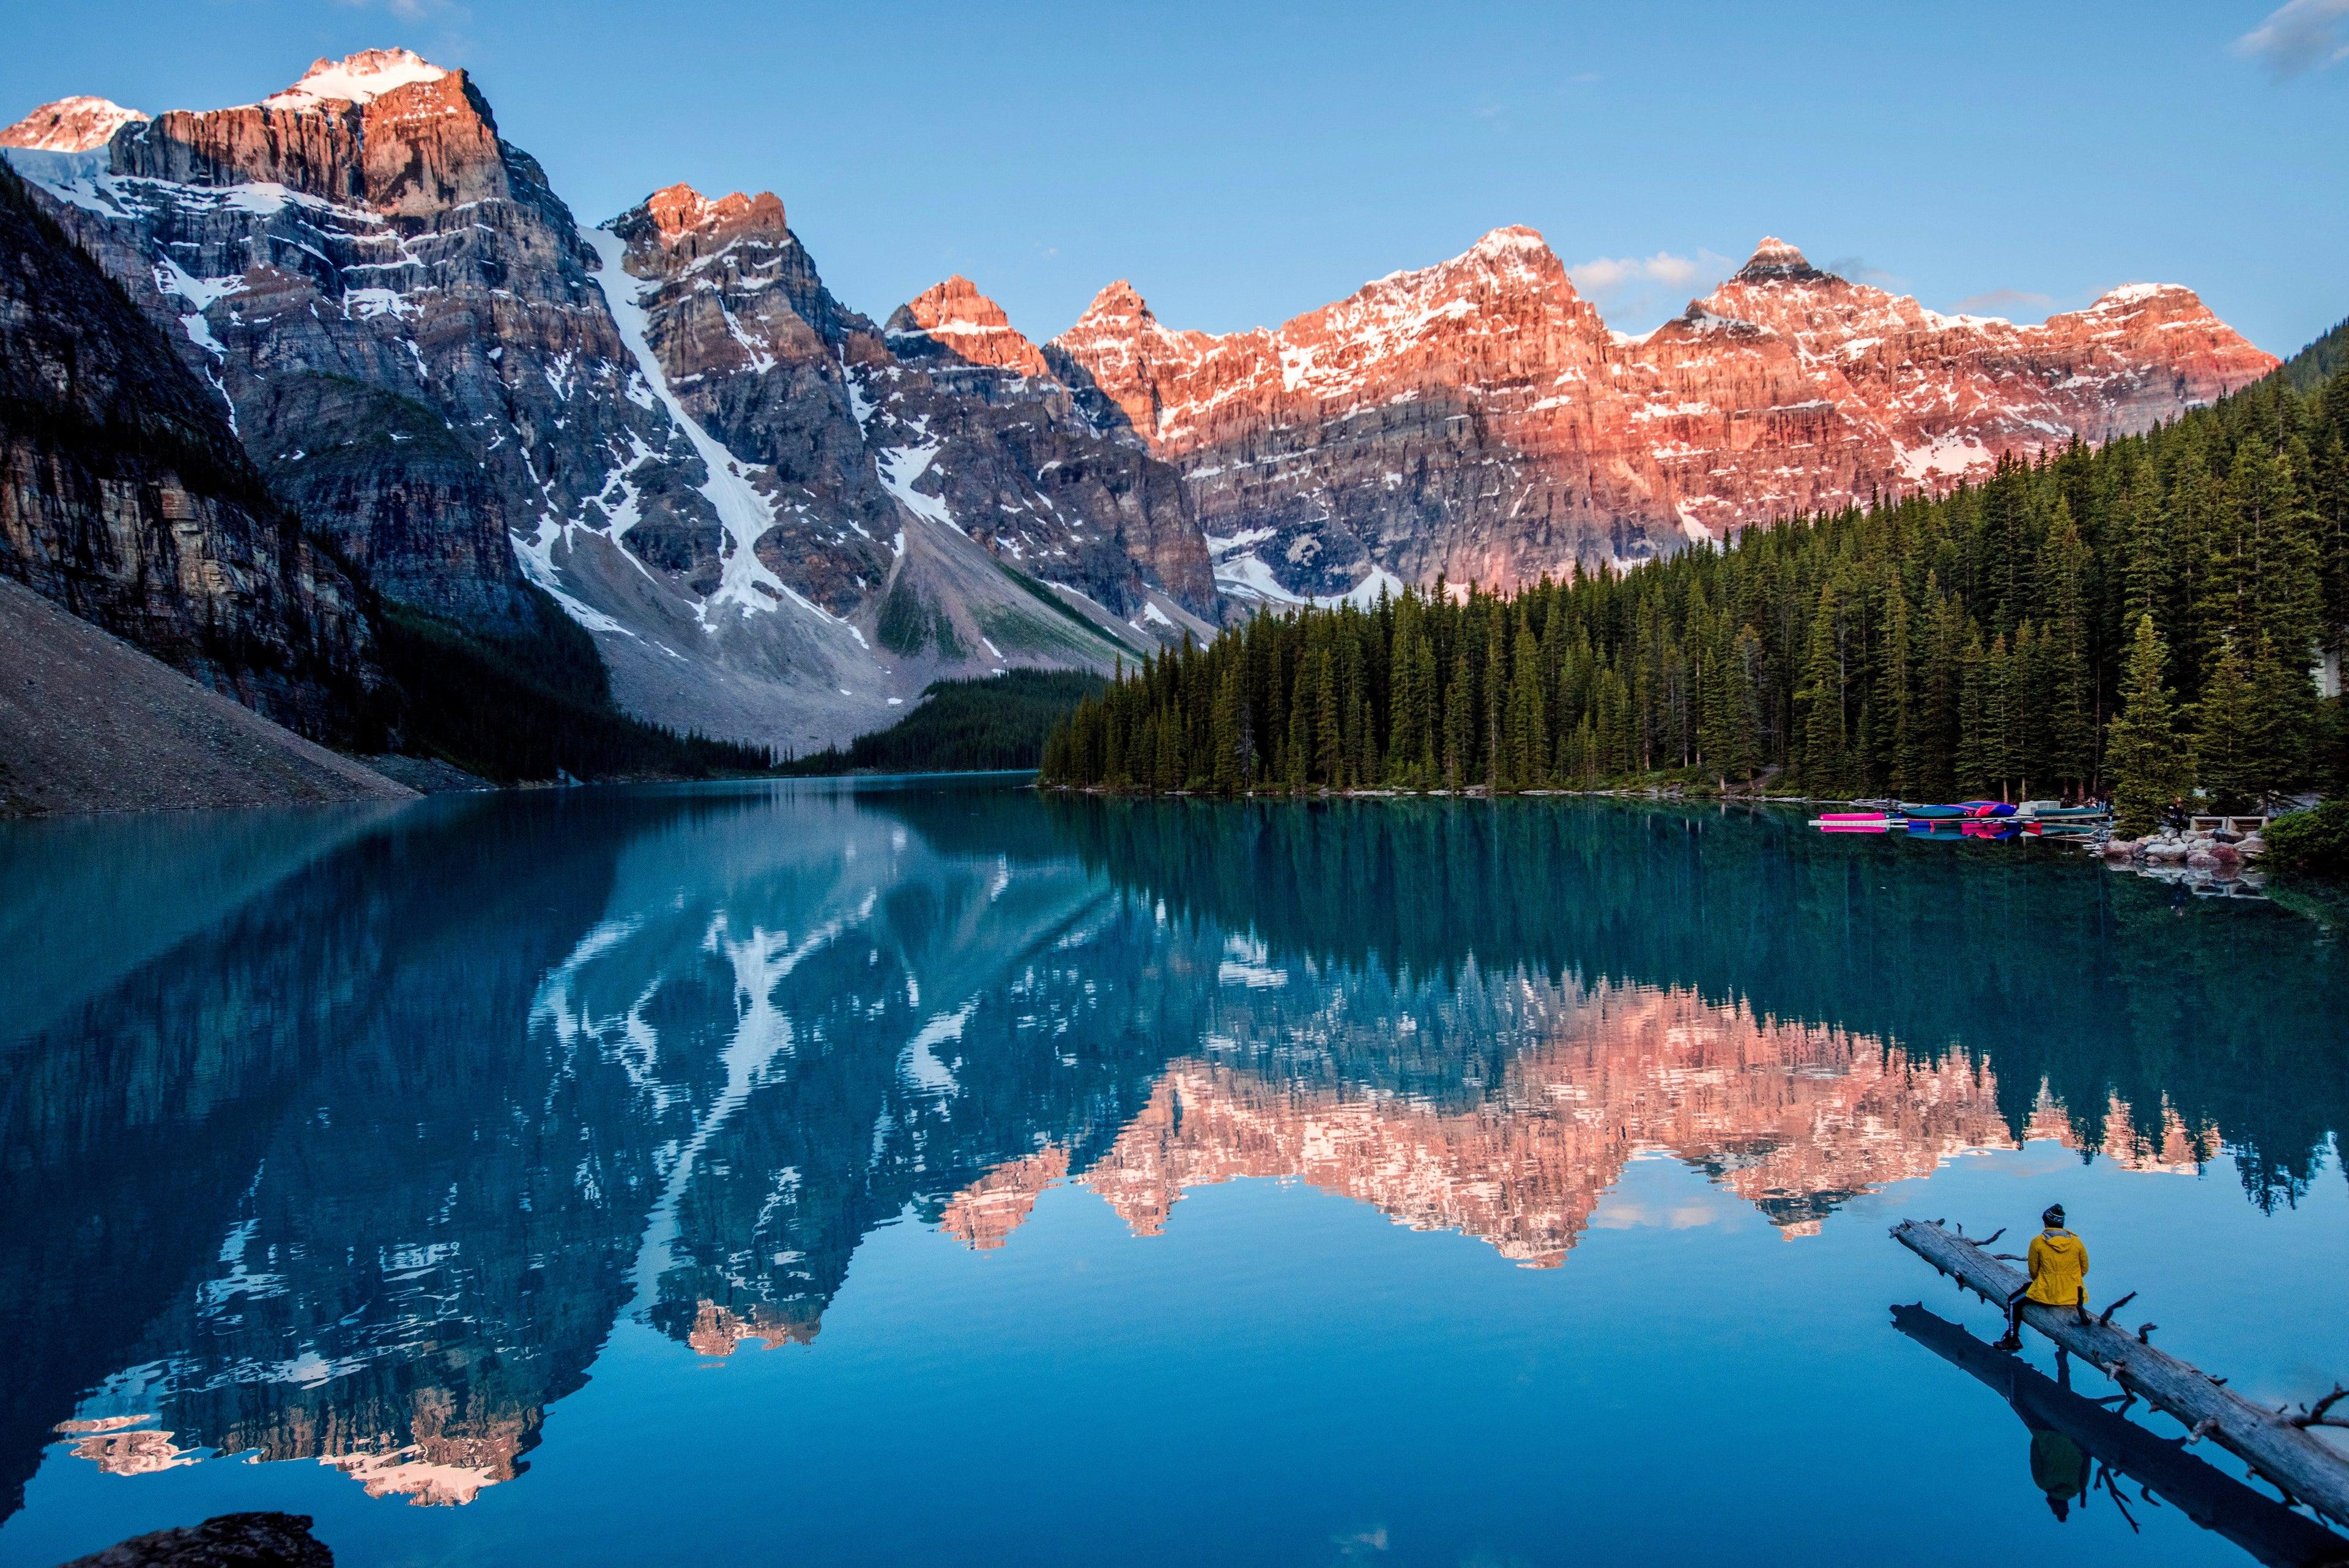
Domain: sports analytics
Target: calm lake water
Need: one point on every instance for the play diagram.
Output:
(816, 1174)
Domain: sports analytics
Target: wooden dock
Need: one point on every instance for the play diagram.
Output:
(2278, 1444)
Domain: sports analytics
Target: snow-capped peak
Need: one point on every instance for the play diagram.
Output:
(1773, 260)
(1514, 239)
(2132, 293)
(70, 125)
(355, 78)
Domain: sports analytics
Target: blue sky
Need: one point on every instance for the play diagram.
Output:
(1242, 162)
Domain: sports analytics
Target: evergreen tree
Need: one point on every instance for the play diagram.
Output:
(2149, 763)
(1459, 719)
(1822, 696)
(1973, 643)
(2222, 733)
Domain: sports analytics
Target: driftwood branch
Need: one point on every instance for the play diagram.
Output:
(2282, 1449)
(2317, 1416)
(2106, 1319)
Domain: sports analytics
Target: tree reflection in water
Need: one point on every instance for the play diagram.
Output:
(365, 1166)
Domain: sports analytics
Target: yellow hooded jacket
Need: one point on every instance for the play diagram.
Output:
(2059, 1269)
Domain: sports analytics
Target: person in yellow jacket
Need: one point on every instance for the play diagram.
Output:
(2059, 1276)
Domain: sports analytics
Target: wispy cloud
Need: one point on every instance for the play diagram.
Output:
(1636, 292)
(2301, 36)
(2014, 304)
(412, 10)
(1856, 269)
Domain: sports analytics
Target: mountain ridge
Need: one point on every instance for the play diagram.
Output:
(1786, 390)
(781, 522)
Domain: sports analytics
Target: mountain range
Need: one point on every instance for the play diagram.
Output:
(781, 522)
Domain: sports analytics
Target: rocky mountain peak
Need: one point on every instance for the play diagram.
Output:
(1117, 303)
(679, 210)
(958, 317)
(359, 79)
(2172, 299)
(1776, 261)
(1513, 245)
(382, 130)
(70, 125)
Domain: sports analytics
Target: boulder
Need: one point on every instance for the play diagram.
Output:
(227, 1540)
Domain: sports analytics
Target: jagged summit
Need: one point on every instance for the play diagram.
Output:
(680, 209)
(359, 79)
(1776, 261)
(76, 124)
(1510, 240)
(955, 315)
(1119, 302)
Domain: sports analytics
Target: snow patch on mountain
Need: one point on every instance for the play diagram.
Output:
(355, 78)
(744, 513)
(78, 124)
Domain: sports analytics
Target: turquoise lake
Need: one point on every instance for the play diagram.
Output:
(938, 1173)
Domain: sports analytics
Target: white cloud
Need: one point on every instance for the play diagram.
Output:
(2298, 37)
(2014, 303)
(412, 10)
(1636, 292)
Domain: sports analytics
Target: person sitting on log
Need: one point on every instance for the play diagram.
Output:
(2059, 1276)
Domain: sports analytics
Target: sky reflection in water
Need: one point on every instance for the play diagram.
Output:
(942, 1174)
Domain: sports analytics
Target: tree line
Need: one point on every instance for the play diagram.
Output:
(992, 721)
(2139, 617)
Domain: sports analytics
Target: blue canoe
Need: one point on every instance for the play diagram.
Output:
(1964, 811)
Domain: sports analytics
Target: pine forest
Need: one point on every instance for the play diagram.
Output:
(2157, 615)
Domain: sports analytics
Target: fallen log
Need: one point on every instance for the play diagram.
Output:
(2278, 1446)
(2261, 1526)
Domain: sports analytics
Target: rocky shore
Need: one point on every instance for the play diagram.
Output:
(2218, 862)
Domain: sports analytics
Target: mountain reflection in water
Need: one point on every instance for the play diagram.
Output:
(365, 1166)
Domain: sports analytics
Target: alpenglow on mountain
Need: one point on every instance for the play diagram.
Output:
(781, 521)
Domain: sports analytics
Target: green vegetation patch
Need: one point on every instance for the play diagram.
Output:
(963, 726)
(2316, 841)
(2139, 619)
(532, 703)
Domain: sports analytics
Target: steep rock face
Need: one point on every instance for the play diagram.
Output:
(756, 348)
(1013, 456)
(1436, 421)
(378, 286)
(126, 498)
(1479, 419)
(655, 421)
(381, 129)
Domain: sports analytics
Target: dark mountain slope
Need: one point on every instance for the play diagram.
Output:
(126, 497)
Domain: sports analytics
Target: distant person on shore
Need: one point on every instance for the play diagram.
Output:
(2059, 1276)
(2173, 816)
